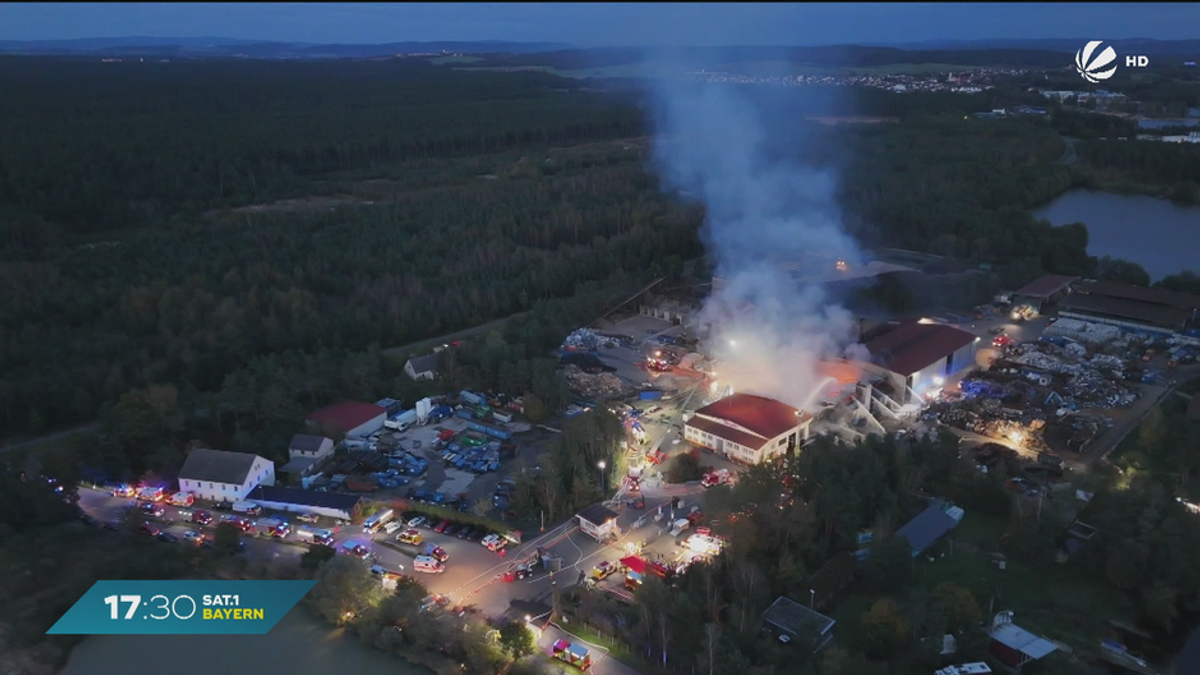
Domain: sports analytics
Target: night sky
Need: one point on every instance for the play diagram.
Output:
(599, 24)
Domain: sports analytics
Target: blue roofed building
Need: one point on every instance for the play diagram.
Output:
(294, 500)
(931, 525)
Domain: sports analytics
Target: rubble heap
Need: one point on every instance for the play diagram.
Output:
(1094, 382)
(598, 386)
(1086, 332)
(588, 340)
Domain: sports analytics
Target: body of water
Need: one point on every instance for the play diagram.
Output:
(300, 644)
(1159, 235)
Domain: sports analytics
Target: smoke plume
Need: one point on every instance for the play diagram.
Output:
(769, 206)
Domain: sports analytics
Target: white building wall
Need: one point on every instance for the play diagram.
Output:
(736, 451)
(325, 449)
(304, 508)
(262, 472)
(369, 427)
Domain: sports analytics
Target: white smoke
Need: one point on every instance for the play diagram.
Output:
(765, 207)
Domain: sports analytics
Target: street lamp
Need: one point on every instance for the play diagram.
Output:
(603, 478)
(812, 598)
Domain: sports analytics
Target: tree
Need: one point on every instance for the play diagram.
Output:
(683, 468)
(345, 590)
(315, 556)
(958, 605)
(226, 539)
(889, 565)
(535, 409)
(886, 628)
(481, 507)
(517, 639)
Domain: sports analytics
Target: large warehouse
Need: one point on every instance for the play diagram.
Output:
(915, 357)
(1136, 308)
(352, 418)
(1044, 291)
(747, 428)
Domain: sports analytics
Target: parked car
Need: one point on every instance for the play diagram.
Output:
(493, 542)
(193, 537)
(466, 532)
(149, 529)
(441, 527)
(419, 521)
(452, 529)
(308, 518)
(167, 537)
(153, 509)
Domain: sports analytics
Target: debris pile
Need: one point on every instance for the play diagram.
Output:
(1091, 382)
(1087, 332)
(587, 340)
(599, 385)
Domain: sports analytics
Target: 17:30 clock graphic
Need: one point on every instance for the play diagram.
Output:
(160, 605)
(207, 607)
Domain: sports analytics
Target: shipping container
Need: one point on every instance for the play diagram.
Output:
(465, 413)
(472, 398)
(651, 395)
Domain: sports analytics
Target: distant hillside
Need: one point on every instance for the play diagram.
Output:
(226, 48)
(1131, 45)
(844, 56)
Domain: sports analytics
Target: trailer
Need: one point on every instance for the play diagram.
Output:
(575, 655)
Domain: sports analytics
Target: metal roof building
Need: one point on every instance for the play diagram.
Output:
(293, 500)
(1014, 646)
(797, 622)
(917, 356)
(930, 525)
(1133, 307)
(352, 418)
(747, 428)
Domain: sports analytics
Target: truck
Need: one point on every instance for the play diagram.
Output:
(248, 508)
(378, 520)
(679, 526)
(151, 494)
(276, 527)
(715, 478)
(575, 655)
(314, 535)
(183, 499)
(401, 421)
(650, 395)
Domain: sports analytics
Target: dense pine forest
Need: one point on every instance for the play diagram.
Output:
(182, 222)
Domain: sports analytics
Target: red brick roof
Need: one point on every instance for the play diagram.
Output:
(764, 416)
(346, 415)
(910, 347)
(1047, 285)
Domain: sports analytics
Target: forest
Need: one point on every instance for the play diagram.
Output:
(180, 223)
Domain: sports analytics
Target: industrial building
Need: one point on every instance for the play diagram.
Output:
(351, 418)
(1045, 291)
(930, 525)
(914, 357)
(1134, 308)
(293, 500)
(223, 476)
(747, 428)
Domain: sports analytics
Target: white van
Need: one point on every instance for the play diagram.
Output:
(247, 508)
(428, 564)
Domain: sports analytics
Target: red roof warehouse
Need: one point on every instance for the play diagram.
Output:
(349, 417)
(747, 428)
(916, 355)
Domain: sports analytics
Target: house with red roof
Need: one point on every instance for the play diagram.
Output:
(747, 428)
(915, 357)
(352, 418)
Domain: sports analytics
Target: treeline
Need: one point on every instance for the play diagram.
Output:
(92, 146)
(1176, 165)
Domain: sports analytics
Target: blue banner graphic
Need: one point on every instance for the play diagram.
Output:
(181, 608)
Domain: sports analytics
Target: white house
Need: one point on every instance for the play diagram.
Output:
(422, 367)
(223, 476)
(598, 522)
(308, 445)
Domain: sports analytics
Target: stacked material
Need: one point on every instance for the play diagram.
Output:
(587, 340)
(600, 385)
(1085, 331)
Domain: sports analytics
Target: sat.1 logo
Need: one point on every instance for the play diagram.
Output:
(1096, 67)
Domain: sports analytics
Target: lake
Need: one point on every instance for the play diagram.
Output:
(300, 644)
(1159, 235)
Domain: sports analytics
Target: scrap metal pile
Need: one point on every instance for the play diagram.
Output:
(587, 340)
(1087, 332)
(599, 385)
(1037, 395)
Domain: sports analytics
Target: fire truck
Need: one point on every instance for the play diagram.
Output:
(715, 478)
